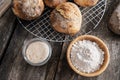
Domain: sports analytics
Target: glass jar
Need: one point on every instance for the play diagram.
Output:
(25, 46)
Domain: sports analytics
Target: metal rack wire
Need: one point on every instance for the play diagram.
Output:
(42, 28)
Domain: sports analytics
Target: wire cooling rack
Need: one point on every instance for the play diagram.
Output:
(42, 28)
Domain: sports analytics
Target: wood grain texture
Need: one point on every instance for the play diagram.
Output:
(6, 29)
(53, 63)
(14, 67)
(5, 4)
(64, 71)
(112, 41)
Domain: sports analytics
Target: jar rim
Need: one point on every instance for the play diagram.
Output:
(25, 46)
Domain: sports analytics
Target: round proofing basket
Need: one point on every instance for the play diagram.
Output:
(101, 44)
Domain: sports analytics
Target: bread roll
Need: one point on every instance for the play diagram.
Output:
(86, 3)
(115, 21)
(28, 9)
(53, 3)
(66, 18)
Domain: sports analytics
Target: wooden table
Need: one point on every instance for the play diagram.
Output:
(14, 67)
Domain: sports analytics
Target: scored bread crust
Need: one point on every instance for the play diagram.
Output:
(86, 3)
(66, 18)
(28, 9)
(53, 3)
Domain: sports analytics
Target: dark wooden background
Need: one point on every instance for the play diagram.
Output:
(14, 67)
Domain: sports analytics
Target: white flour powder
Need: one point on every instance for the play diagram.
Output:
(86, 56)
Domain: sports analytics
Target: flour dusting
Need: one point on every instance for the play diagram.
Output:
(87, 56)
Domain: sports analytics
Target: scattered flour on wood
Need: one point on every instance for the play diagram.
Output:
(87, 56)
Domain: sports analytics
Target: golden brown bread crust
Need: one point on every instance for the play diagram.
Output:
(28, 9)
(53, 3)
(66, 18)
(115, 21)
(86, 3)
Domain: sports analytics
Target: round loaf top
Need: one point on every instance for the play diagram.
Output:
(28, 9)
(68, 10)
(66, 18)
(86, 3)
(53, 3)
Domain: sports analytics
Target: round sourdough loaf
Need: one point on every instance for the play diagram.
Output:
(86, 3)
(115, 21)
(28, 9)
(66, 18)
(53, 3)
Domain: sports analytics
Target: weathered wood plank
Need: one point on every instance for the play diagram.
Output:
(11, 55)
(112, 41)
(64, 71)
(7, 25)
(53, 63)
(14, 67)
(4, 5)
